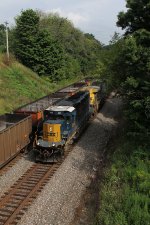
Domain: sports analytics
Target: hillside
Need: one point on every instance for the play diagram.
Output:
(19, 85)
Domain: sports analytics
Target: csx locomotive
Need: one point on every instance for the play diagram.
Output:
(64, 122)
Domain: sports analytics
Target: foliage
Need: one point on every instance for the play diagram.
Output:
(128, 65)
(35, 48)
(19, 85)
(111, 60)
(137, 16)
(125, 186)
(52, 46)
(2, 38)
(25, 37)
(83, 48)
(49, 55)
(136, 64)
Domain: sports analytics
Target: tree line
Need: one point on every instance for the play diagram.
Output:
(126, 66)
(51, 46)
(124, 191)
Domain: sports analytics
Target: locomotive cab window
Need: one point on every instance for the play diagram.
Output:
(56, 117)
(49, 116)
(68, 119)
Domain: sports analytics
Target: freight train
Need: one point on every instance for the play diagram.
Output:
(64, 122)
(50, 123)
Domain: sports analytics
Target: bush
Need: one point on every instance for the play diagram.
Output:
(125, 189)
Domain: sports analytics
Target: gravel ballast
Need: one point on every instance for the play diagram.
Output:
(58, 201)
(13, 174)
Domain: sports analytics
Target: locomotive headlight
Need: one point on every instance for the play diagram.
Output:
(50, 129)
(38, 143)
(53, 144)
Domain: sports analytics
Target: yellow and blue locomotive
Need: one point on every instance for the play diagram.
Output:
(97, 97)
(61, 124)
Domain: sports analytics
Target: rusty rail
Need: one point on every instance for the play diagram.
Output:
(19, 197)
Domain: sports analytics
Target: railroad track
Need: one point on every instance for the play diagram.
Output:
(24, 191)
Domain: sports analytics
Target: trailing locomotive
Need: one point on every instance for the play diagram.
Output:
(61, 124)
(95, 98)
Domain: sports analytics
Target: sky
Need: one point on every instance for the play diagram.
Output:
(91, 16)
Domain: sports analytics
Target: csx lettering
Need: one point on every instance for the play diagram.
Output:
(52, 134)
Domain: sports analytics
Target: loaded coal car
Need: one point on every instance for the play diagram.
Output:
(14, 135)
(35, 109)
(61, 124)
(81, 83)
(68, 91)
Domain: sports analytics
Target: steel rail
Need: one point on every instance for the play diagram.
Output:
(19, 197)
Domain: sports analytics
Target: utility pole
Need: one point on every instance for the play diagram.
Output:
(7, 44)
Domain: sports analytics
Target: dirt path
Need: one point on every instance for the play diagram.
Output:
(60, 201)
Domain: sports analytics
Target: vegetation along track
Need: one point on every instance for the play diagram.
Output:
(15, 201)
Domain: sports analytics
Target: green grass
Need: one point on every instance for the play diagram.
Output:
(19, 85)
(125, 190)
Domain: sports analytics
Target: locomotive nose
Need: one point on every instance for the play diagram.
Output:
(51, 132)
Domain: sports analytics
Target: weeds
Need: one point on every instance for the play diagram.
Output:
(19, 85)
(124, 196)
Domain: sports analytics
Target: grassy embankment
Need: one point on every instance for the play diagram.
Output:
(125, 189)
(19, 85)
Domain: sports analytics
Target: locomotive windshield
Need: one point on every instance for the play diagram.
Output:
(49, 116)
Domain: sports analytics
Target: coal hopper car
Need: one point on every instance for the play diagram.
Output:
(36, 108)
(14, 135)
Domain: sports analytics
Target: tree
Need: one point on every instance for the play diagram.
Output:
(26, 33)
(35, 47)
(49, 55)
(2, 37)
(81, 49)
(52, 46)
(137, 16)
(135, 61)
